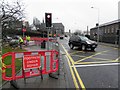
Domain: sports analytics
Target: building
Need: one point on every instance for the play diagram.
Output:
(86, 33)
(16, 25)
(57, 28)
(119, 23)
(119, 10)
(107, 32)
(33, 28)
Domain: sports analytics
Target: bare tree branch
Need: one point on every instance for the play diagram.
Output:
(9, 11)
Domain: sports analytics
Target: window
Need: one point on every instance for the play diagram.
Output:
(108, 30)
(112, 29)
(115, 27)
(105, 29)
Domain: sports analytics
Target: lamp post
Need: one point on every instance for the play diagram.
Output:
(98, 23)
(57, 28)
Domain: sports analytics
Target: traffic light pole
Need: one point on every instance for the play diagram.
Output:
(48, 38)
(48, 21)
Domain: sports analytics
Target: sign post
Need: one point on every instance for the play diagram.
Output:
(31, 62)
(23, 30)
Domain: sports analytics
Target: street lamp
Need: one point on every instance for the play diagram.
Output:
(98, 22)
(57, 28)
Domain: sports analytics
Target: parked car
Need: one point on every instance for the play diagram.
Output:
(16, 37)
(82, 42)
(7, 38)
(14, 42)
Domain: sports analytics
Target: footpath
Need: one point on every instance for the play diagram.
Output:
(47, 82)
(108, 44)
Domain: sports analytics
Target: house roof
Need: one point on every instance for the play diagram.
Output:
(54, 25)
(58, 25)
(108, 23)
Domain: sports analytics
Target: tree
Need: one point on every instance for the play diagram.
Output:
(78, 32)
(13, 11)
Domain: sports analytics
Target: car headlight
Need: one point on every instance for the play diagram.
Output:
(88, 42)
(95, 42)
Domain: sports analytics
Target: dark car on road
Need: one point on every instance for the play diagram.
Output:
(82, 42)
(66, 35)
(61, 36)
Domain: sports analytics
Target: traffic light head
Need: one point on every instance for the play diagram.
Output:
(48, 19)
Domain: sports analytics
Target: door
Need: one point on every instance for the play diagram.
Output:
(77, 41)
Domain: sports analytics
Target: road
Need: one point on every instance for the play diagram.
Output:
(89, 69)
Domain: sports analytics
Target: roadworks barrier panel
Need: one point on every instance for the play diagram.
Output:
(33, 63)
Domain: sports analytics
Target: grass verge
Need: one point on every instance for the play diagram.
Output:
(8, 60)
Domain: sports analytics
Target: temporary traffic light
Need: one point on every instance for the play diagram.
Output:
(48, 19)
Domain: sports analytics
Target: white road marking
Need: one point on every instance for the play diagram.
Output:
(117, 58)
(91, 65)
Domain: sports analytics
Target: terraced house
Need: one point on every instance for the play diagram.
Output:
(107, 32)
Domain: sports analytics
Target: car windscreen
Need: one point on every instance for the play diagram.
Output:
(83, 38)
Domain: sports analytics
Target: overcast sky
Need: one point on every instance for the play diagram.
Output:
(74, 14)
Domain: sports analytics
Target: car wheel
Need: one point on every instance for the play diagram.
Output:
(71, 46)
(92, 49)
(83, 47)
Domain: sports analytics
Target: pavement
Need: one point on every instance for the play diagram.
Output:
(63, 80)
(108, 44)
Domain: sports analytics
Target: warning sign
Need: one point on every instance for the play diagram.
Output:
(31, 61)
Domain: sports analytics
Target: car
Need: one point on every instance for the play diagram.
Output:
(7, 38)
(15, 41)
(66, 35)
(52, 38)
(61, 37)
(16, 37)
(82, 42)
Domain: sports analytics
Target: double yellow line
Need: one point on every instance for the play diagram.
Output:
(69, 58)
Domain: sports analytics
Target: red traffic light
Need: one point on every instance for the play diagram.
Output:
(48, 19)
(48, 16)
